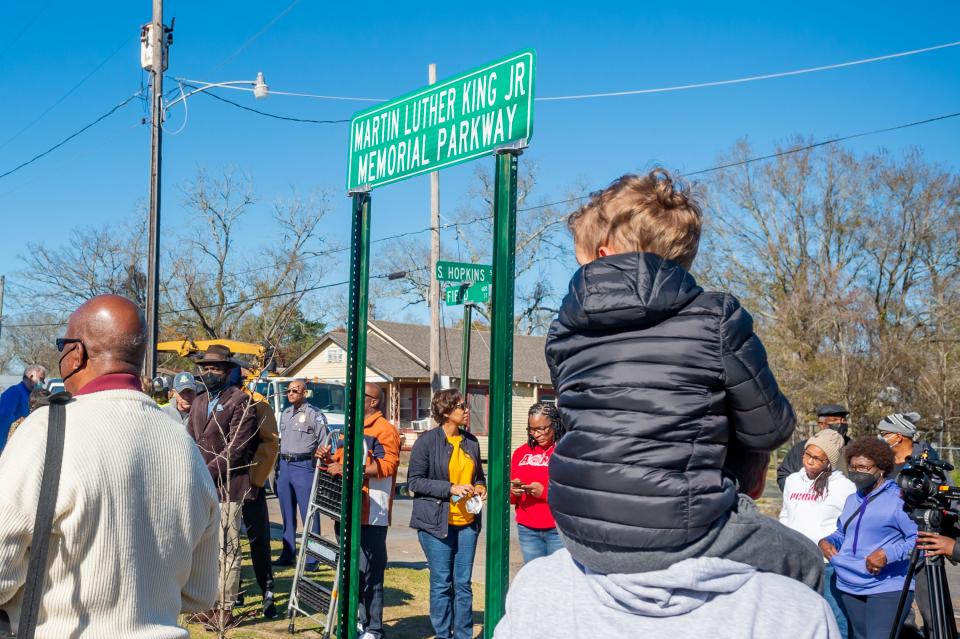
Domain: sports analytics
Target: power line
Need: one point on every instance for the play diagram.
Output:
(231, 304)
(24, 29)
(824, 143)
(70, 137)
(264, 113)
(753, 78)
(667, 89)
(67, 94)
(567, 201)
(254, 37)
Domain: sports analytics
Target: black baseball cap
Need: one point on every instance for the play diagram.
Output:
(832, 410)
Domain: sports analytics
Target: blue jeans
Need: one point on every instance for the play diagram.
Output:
(450, 562)
(832, 595)
(872, 616)
(536, 543)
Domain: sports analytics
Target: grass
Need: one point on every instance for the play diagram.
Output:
(405, 615)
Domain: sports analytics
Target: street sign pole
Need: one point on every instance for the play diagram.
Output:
(349, 586)
(501, 386)
(465, 355)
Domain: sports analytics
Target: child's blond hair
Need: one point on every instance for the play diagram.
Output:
(652, 213)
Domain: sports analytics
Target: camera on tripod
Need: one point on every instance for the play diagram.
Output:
(927, 495)
(924, 483)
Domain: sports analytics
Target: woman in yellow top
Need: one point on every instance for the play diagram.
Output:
(445, 476)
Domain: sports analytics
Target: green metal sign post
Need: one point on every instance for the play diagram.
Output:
(465, 354)
(487, 110)
(350, 502)
(501, 387)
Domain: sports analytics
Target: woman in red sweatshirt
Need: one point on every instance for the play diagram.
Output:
(528, 483)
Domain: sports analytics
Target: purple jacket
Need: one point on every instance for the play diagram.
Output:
(879, 521)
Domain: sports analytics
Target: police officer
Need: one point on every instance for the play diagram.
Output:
(303, 429)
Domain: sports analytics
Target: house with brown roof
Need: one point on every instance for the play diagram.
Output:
(398, 358)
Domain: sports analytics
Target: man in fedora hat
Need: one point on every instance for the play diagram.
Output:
(223, 423)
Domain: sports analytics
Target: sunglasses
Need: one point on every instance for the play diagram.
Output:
(294, 391)
(63, 341)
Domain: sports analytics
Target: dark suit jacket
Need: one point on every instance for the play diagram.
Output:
(227, 439)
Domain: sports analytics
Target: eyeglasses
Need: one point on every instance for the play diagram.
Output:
(460, 405)
(294, 391)
(63, 341)
(814, 458)
(863, 469)
(541, 430)
(370, 396)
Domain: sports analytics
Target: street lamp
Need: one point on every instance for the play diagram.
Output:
(260, 88)
(260, 91)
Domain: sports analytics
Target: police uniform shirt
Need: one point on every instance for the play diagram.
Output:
(302, 430)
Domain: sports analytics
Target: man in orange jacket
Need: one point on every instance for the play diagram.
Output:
(381, 460)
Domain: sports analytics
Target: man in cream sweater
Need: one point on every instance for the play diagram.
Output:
(135, 526)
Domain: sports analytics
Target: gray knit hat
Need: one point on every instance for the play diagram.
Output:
(830, 442)
(901, 423)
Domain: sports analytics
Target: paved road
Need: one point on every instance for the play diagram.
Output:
(403, 548)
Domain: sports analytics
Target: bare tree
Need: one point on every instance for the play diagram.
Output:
(93, 262)
(243, 294)
(847, 263)
(539, 245)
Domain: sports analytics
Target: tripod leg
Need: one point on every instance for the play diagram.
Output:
(904, 593)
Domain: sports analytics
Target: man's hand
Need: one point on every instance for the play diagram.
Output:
(480, 490)
(876, 561)
(827, 549)
(534, 489)
(934, 544)
(335, 468)
(323, 453)
(461, 490)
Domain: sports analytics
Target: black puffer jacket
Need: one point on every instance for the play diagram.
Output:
(654, 378)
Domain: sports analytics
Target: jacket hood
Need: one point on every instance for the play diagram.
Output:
(678, 590)
(627, 289)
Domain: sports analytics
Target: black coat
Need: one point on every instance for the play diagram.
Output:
(654, 378)
(428, 477)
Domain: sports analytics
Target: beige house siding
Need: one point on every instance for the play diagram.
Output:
(335, 370)
(523, 398)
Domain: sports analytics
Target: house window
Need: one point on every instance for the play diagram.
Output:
(423, 402)
(414, 403)
(334, 355)
(406, 404)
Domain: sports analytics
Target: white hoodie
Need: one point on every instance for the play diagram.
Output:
(813, 517)
(553, 597)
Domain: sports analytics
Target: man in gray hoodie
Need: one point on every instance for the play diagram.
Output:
(556, 597)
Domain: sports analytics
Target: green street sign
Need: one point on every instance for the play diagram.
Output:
(464, 272)
(476, 293)
(443, 124)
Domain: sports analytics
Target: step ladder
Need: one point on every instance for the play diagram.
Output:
(309, 597)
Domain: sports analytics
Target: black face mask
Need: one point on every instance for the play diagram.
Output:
(214, 382)
(863, 481)
(840, 428)
(74, 371)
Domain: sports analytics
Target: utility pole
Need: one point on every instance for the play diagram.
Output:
(153, 56)
(434, 258)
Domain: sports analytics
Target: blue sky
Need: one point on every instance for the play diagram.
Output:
(383, 49)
